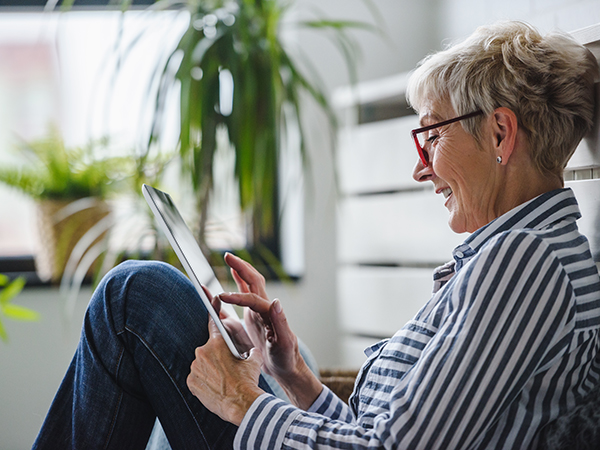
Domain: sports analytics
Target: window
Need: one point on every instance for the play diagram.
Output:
(60, 68)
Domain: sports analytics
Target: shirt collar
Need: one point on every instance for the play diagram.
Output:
(536, 214)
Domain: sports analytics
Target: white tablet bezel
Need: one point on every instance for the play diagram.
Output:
(155, 198)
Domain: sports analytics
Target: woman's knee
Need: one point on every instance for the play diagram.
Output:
(141, 288)
(141, 269)
(147, 277)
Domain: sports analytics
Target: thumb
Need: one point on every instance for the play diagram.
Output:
(281, 327)
(213, 331)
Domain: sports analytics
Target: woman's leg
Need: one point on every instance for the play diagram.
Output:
(138, 340)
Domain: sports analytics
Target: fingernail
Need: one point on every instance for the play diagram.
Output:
(277, 305)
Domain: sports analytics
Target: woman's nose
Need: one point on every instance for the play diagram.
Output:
(421, 172)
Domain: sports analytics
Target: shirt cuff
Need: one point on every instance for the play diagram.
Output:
(265, 424)
(320, 400)
(331, 406)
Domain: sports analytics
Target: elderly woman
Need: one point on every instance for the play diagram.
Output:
(507, 344)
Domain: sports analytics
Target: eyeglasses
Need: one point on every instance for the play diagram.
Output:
(422, 135)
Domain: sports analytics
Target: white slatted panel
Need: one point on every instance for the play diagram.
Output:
(588, 197)
(378, 156)
(378, 301)
(395, 229)
(353, 350)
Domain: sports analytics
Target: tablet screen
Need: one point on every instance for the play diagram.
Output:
(188, 251)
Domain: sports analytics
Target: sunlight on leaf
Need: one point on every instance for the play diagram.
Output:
(10, 311)
(11, 290)
(21, 313)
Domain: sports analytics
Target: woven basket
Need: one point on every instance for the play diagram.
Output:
(60, 230)
(339, 381)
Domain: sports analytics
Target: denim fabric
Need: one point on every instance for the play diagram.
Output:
(139, 334)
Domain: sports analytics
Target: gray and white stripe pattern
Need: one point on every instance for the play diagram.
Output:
(507, 343)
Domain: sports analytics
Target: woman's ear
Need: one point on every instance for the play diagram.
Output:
(504, 128)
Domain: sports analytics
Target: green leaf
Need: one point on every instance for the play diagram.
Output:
(21, 313)
(11, 290)
(66, 5)
(266, 81)
(3, 333)
(338, 25)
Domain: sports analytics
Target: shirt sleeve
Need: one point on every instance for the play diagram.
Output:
(267, 409)
(509, 312)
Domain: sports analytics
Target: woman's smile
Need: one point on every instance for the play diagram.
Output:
(446, 192)
(460, 169)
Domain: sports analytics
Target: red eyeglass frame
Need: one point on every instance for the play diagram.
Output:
(425, 160)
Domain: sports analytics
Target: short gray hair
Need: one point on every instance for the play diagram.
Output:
(547, 81)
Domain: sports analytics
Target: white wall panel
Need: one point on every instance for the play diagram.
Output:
(587, 193)
(353, 355)
(378, 301)
(395, 228)
(378, 156)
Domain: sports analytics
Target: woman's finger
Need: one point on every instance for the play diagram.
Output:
(206, 291)
(216, 304)
(213, 331)
(281, 329)
(241, 284)
(252, 277)
(255, 302)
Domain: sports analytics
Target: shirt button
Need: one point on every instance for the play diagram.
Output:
(460, 254)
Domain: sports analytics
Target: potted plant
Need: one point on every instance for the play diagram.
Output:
(70, 187)
(235, 76)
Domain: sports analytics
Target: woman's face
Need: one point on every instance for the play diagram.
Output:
(460, 170)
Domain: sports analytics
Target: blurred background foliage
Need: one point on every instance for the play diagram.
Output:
(241, 88)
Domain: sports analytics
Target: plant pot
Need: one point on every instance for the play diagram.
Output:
(61, 225)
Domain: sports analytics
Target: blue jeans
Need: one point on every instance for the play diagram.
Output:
(139, 334)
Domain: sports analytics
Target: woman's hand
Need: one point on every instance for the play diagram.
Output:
(225, 385)
(270, 333)
(265, 322)
(234, 326)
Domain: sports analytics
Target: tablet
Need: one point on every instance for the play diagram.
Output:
(188, 251)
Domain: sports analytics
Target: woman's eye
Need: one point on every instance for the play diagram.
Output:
(432, 138)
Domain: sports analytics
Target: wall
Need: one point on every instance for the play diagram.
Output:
(32, 364)
(547, 15)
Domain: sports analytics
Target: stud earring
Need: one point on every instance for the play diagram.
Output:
(499, 159)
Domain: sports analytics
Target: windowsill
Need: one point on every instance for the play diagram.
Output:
(21, 266)
(24, 266)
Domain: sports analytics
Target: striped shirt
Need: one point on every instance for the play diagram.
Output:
(507, 343)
